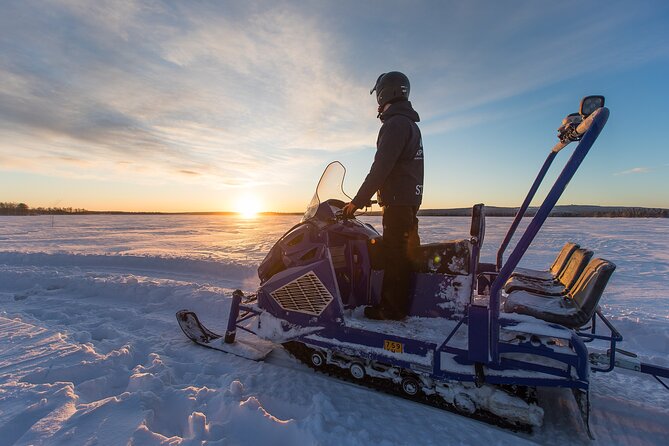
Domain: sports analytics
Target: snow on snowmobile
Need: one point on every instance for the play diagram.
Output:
(481, 337)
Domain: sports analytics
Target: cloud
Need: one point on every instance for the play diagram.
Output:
(234, 96)
(247, 94)
(484, 53)
(634, 170)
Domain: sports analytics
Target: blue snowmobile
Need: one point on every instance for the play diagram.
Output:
(482, 337)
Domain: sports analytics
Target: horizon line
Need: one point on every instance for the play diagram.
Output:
(424, 212)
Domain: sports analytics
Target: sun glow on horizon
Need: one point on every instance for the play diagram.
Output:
(248, 206)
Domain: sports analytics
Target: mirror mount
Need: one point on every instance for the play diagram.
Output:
(567, 131)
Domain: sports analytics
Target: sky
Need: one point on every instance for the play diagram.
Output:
(207, 105)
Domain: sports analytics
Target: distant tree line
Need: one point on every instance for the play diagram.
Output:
(558, 211)
(627, 212)
(491, 211)
(24, 209)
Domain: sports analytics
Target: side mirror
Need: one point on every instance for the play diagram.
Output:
(589, 104)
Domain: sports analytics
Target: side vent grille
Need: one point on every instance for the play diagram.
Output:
(306, 294)
(338, 255)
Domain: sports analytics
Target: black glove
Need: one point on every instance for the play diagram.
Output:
(349, 210)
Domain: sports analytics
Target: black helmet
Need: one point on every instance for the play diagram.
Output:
(391, 87)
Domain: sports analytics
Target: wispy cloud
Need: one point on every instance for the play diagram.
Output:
(634, 170)
(482, 59)
(165, 88)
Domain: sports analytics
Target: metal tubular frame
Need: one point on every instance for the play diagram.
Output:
(590, 128)
(613, 339)
(234, 317)
(523, 208)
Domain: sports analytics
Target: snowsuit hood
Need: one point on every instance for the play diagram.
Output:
(400, 108)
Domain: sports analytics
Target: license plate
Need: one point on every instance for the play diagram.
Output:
(392, 346)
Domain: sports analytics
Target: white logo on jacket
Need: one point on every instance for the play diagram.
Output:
(419, 153)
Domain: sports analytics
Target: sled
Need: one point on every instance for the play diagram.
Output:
(481, 337)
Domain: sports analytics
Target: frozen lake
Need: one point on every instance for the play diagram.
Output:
(90, 351)
(639, 247)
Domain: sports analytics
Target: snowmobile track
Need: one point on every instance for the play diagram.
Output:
(301, 352)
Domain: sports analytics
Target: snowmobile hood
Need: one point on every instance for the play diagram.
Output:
(400, 108)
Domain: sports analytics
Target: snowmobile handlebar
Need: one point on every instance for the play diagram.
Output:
(339, 215)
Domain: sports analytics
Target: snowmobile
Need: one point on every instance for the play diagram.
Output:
(482, 337)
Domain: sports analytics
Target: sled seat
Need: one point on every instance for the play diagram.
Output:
(556, 268)
(573, 309)
(450, 257)
(453, 257)
(564, 281)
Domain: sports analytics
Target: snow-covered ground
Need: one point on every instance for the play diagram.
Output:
(90, 352)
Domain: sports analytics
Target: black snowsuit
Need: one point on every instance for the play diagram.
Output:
(397, 177)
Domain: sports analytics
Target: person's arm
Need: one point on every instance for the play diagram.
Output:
(392, 139)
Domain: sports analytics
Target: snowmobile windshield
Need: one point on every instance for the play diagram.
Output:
(330, 187)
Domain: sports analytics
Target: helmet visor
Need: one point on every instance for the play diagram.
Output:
(377, 83)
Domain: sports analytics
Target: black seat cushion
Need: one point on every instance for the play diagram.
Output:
(450, 257)
(558, 286)
(572, 310)
(556, 268)
(590, 286)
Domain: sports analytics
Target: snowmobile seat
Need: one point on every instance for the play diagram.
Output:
(556, 268)
(453, 257)
(450, 257)
(564, 281)
(574, 309)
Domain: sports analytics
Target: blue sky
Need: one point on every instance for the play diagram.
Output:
(193, 106)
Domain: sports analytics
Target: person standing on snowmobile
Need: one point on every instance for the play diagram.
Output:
(397, 178)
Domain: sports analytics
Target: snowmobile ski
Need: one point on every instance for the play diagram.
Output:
(246, 345)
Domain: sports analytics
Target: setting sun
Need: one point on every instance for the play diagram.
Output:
(248, 206)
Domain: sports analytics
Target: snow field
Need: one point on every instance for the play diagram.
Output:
(124, 372)
(90, 351)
